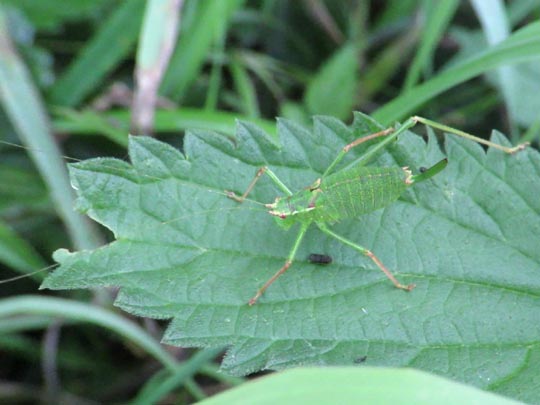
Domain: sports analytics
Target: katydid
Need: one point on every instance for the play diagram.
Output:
(350, 192)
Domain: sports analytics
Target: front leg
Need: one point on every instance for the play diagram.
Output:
(232, 195)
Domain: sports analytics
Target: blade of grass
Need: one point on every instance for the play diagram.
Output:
(519, 9)
(96, 123)
(27, 114)
(157, 39)
(387, 63)
(244, 88)
(213, 371)
(163, 386)
(437, 17)
(338, 76)
(195, 389)
(216, 71)
(522, 46)
(82, 312)
(268, 69)
(18, 254)
(495, 24)
(24, 323)
(396, 10)
(105, 51)
(197, 36)
(168, 121)
(532, 133)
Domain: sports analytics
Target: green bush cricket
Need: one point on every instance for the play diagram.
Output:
(350, 192)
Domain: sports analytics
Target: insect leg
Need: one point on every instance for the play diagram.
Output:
(240, 199)
(367, 253)
(414, 120)
(260, 172)
(357, 142)
(283, 269)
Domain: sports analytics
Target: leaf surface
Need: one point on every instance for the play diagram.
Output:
(345, 385)
(468, 238)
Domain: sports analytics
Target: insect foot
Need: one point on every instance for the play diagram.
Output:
(269, 282)
(519, 147)
(408, 287)
(510, 150)
(232, 195)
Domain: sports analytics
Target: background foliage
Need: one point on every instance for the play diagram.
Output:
(68, 70)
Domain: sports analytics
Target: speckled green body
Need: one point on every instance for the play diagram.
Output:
(348, 193)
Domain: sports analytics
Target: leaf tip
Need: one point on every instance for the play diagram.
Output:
(61, 255)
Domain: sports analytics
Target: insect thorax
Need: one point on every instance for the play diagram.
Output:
(299, 207)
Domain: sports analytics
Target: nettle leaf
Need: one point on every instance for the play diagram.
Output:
(468, 238)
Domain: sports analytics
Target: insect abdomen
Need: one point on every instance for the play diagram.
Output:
(351, 193)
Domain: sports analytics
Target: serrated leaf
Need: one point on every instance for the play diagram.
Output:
(467, 238)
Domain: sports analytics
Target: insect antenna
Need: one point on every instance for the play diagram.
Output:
(9, 280)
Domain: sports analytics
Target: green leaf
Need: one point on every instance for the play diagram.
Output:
(467, 238)
(346, 385)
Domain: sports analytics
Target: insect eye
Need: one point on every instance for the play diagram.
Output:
(282, 216)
